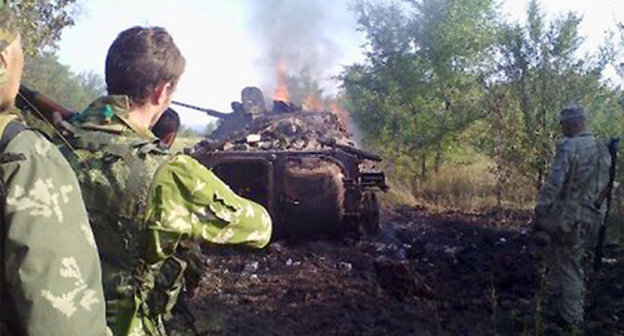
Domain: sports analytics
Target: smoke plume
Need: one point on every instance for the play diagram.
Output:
(296, 35)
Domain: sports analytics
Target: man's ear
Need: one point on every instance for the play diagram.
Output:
(4, 55)
(162, 94)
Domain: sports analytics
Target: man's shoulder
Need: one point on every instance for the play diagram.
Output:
(566, 144)
(30, 143)
(581, 141)
(185, 162)
(37, 153)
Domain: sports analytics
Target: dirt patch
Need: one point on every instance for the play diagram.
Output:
(425, 274)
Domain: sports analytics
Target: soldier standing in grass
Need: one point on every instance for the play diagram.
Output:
(566, 211)
(50, 280)
(142, 201)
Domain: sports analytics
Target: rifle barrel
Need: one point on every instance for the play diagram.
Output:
(212, 113)
(44, 103)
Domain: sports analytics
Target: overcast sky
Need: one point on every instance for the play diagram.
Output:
(232, 44)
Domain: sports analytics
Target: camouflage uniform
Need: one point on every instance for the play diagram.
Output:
(50, 280)
(143, 202)
(565, 209)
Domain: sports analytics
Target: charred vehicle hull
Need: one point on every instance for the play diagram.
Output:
(306, 192)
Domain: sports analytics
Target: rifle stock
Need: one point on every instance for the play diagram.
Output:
(43, 104)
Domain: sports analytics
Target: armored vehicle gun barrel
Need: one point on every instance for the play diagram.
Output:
(210, 112)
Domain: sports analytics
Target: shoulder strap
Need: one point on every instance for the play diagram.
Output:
(9, 128)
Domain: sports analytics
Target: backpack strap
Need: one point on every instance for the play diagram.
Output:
(9, 128)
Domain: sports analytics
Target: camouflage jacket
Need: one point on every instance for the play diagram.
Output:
(50, 270)
(578, 174)
(143, 202)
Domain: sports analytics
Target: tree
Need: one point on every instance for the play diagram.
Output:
(421, 83)
(46, 75)
(41, 22)
(544, 73)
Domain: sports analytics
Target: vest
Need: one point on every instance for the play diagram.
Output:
(115, 174)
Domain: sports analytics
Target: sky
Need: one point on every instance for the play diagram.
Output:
(231, 44)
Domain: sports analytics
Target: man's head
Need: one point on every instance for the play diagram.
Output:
(167, 127)
(11, 57)
(572, 120)
(145, 65)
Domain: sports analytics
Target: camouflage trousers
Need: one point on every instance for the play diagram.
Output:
(568, 260)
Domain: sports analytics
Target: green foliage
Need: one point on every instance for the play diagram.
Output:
(208, 129)
(441, 75)
(188, 132)
(41, 22)
(46, 75)
(422, 82)
(543, 71)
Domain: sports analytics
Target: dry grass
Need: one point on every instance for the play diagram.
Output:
(468, 186)
(182, 142)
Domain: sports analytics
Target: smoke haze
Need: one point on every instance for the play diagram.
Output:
(303, 35)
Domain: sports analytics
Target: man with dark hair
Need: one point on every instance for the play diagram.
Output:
(136, 78)
(166, 129)
(141, 200)
(566, 211)
(50, 277)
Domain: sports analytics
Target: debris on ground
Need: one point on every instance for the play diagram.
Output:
(424, 274)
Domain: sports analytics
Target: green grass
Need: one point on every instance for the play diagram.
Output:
(182, 142)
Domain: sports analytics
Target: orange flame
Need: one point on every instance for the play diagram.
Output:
(341, 113)
(281, 91)
(312, 102)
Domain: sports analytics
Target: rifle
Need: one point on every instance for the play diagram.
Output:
(606, 194)
(42, 106)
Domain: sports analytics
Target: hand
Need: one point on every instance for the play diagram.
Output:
(57, 119)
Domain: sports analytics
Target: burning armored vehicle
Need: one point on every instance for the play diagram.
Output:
(301, 165)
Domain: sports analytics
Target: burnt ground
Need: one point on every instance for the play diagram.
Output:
(425, 274)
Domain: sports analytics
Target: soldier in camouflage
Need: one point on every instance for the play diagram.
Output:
(50, 280)
(566, 211)
(142, 201)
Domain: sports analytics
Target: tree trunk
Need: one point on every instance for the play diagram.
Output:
(423, 166)
(438, 159)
